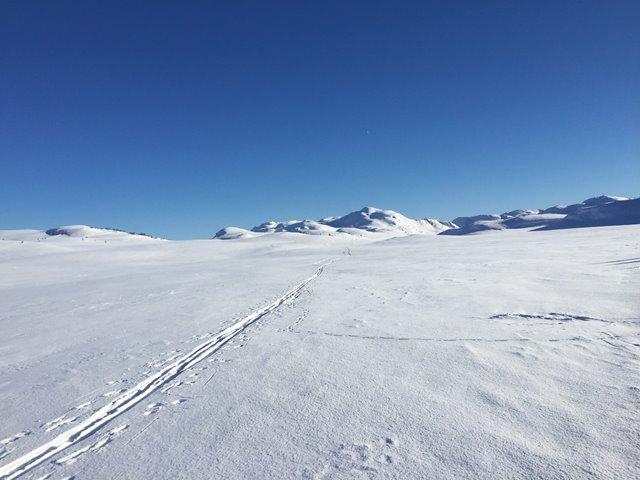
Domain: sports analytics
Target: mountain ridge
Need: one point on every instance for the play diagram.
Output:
(595, 211)
(376, 223)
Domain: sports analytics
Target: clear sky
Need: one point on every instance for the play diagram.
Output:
(179, 118)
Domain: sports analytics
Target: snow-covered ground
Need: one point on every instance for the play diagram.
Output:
(504, 354)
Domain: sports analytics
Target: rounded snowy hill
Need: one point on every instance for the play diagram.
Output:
(82, 232)
(377, 220)
(596, 211)
(233, 233)
(376, 223)
(362, 223)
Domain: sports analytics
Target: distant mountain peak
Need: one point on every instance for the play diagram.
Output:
(85, 231)
(595, 211)
(362, 222)
(375, 222)
(603, 199)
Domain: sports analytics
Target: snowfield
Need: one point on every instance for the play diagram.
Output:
(509, 353)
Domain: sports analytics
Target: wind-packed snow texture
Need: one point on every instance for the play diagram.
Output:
(504, 354)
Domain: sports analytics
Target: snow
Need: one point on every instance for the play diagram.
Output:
(375, 223)
(603, 199)
(597, 211)
(377, 220)
(233, 233)
(84, 231)
(505, 354)
(359, 224)
(618, 212)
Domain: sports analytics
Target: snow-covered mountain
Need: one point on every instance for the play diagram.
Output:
(601, 213)
(371, 222)
(93, 232)
(597, 211)
(375, 223)
(363, 222)
(82, 232)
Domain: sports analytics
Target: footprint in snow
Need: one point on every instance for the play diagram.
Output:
(4, 444)
(153, 408)
(119, 429)
(45, 476)
(15, 437)
(550, 317)
(171, 386)
(114, 392)
(99, 444)
(73, 456)
(361, 460)
(58, 422)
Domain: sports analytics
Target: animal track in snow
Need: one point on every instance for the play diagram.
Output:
(4, 444)
(58, 422)
(171, 386)
(15, 437)
(358, 323)
(296, 322)
(73, 456)
(361, 460)
(94, 447)
(45, 476)
(114, 392)
(153, 408)
(550, 317)
(119, 429)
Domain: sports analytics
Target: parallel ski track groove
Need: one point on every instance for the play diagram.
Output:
(142, 390)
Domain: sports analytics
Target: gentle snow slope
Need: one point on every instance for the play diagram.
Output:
(509, 354)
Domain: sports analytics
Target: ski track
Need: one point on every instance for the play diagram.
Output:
(142, 390)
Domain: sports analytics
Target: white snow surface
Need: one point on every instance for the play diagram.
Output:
(510, 354)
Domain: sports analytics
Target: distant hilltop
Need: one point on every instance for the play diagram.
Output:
(373, 222)
(364, 222)
(376, 223)
(81, 232)
(85, 231)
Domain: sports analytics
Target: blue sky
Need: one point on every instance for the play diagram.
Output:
(179, 118)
